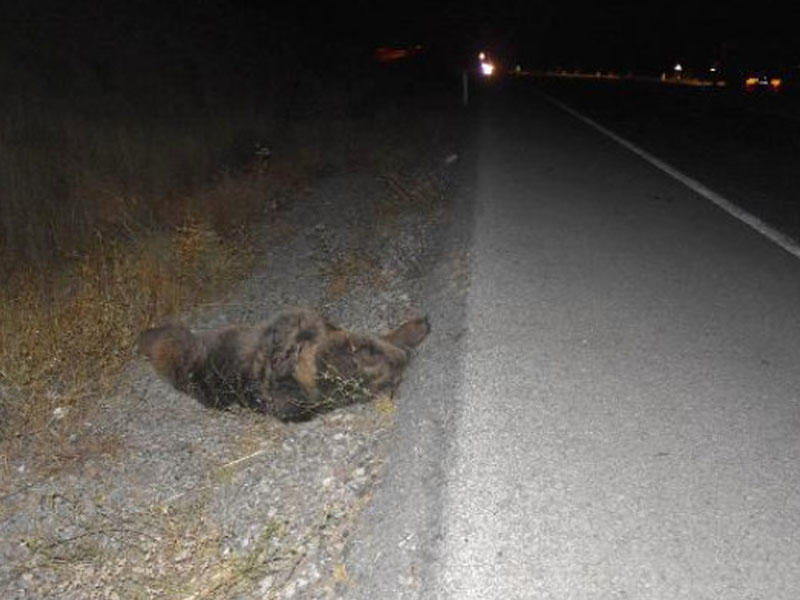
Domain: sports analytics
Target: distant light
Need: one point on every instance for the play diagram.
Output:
(713, 69)
(385, 54)
(487, 68)
(775, 82)
(751, 81)
(481, 55)
(518, 68)
(678, 68)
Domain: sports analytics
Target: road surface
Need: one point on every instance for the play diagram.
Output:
(744, 146)
(626, 407)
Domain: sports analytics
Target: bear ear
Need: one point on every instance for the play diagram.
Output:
(410, 334)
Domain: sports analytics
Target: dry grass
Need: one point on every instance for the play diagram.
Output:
(110, 220)
(346, 270)
(165, 552)
(420, 193)
(385, 405)
(341, 390)
(63, 340)
(126, 254)
(260, 435)
(109, 224)
(66, 172)
(68, 327)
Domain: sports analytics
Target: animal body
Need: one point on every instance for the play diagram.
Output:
(291, 366)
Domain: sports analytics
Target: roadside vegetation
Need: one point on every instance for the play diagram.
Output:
(69, 319)
(146, 173)
(117, 211)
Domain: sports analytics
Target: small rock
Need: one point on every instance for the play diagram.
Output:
(290, 590)
(313, 573)
(265, 585)
(183, 555)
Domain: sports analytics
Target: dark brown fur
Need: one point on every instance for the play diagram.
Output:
(283, 366)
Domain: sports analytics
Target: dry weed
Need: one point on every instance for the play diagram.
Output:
(62, 342)
(341, 390)
(346, 270)
(405, 192)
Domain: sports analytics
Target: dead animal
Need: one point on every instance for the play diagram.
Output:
(291, 366)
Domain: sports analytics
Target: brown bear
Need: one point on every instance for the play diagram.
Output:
(291, 366)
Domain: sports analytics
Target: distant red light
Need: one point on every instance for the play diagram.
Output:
(389, 54)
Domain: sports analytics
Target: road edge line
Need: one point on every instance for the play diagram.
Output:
(775, 236)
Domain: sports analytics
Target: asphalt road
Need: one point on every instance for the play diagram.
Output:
(625, 407)
(744, 146)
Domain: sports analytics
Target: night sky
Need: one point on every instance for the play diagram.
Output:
(627, 34)
(247, 37)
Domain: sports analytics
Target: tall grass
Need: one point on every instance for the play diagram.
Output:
(66, 172)
(113, 216)
(65, 334)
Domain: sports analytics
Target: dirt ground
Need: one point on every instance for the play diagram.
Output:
(167, 499)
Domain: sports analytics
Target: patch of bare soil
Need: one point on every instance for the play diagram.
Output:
(166, 499)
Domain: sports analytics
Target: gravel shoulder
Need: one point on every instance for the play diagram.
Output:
(394, 549)
(178, 501)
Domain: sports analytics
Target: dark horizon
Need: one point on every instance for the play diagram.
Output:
(244, 41)
(628, 36)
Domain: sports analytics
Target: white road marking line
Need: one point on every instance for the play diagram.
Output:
(781, 239)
